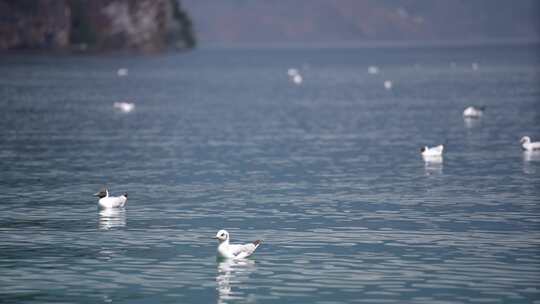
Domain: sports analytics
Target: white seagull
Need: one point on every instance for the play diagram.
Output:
(124, 106)
(106, 201)
(434, 151)
(230, 251)
(473, 112)
(121, 72)
(527, 145)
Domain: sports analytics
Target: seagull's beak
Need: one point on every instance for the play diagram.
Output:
(96, 194)
(215, 237)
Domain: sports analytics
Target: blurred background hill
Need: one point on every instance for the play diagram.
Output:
(339, 22)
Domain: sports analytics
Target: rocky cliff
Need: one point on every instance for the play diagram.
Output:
(96, 25)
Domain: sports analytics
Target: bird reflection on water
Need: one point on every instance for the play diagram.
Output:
(232, 273)
(530, 161)
(471, 123)
(112, 218)
(433, 165)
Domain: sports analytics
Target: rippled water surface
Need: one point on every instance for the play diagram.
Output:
(327, 173)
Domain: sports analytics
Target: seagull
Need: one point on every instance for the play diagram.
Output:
(434, 151)
(297, 79)
(473, 112)
(230, 251)
(121, 72)
(124, 106)
(527, 145)
(292, 71)
(106, 201)
(373, 70)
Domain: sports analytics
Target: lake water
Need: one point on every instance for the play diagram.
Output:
(327, 173)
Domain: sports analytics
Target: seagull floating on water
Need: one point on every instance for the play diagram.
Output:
(431, 152)
(297, 79)
(373, 70)
(292, 71)
(123, 106)
(107, 201)
(295, 76)
(230, 251)
(527, 145)
(121, 72)
(473, 112)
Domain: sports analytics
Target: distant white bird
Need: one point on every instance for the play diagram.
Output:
(434, 151)
(388, 84)
(230, 251)
(292, 71)
(373, 70)
(124, 106)
(121, 72)
(473, 112)
(295, 76)
(297, 79)
(107, 201)
(527, 145)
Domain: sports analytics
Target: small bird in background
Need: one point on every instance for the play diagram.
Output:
(473, 112)
(373, 70)
(430, 152)
(295, 76)
(122, 72)
(106, 201)
(230, 251)
(124, 106)
(529, 146)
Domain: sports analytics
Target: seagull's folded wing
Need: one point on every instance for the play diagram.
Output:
(242, 251)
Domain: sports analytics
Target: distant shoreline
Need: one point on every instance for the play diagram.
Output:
(287, 46)
(374, 44)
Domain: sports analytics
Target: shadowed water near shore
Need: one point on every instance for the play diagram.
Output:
(327, 173)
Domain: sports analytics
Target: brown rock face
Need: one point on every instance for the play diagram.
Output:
(27, 24)
(99, 25)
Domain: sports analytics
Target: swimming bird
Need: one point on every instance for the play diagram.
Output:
(121, 72)
(292, 71)
(527, 145)
(124, 106)
(106, 201)
(373, 70)
(434, 151)
(297, 79)
(231, 251)
(473, 112)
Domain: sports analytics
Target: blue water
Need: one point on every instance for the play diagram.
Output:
(327, 173)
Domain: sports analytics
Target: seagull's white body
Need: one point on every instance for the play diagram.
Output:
(373, 70)
(527, 145)
(106, 201)
(230, 251)
(473, 112)
(295, 76)
(121, 72)
(431, 152)
(292, 71)
(123, 106)
(297, 79)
